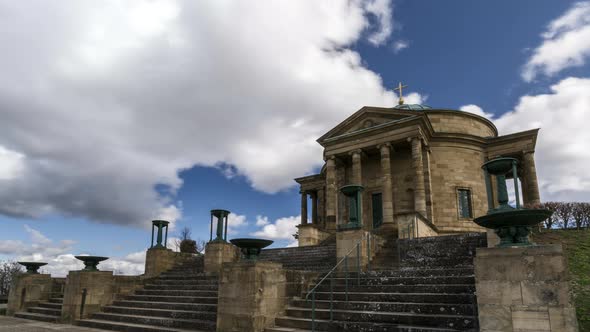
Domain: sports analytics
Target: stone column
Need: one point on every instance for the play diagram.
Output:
(530, 172)
(418, 166)
(331, 193)
(303, 208)
(357, 172)
(386, 184)
(314, 207)
(428, 185)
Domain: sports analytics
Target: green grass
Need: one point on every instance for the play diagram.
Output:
(577, 249)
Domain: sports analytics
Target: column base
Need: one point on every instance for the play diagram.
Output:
(310, 235)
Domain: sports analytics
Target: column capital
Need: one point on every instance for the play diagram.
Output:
(355, 151)
(384, 145)
(330, 157)
(415, 137)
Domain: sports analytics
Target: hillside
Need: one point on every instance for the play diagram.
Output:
(577, 248)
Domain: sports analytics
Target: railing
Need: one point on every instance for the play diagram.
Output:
(409, 230)
(357, 247)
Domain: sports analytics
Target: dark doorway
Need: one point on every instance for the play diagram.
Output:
(377, 207)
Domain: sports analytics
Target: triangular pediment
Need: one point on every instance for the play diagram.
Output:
(365, 119)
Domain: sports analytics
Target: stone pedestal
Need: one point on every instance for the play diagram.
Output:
(158, 260)
(310, 235)
(251, 295)
(27, 290)
(85, 293)
(346, 240)
(217, 253)
(524, 289)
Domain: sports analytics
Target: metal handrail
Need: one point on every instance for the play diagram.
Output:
(344, 259)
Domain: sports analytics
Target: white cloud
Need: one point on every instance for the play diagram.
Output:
(120, 97)
(415, 98)
(281, 229)
(566, 43)
(11, 246)
(11, 164)
(400, 45)
(471, 108)
(261, 220)
(234, 223)
(562, 153)
(36, 236)
(171, 213)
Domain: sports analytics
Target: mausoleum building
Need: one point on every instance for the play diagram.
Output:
(420, 169)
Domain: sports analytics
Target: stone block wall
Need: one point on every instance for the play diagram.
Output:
(524, 289)
(454, 166)
(27, 290)
(251, 296)
(458, 122)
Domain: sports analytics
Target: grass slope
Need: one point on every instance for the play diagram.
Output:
(577, 248)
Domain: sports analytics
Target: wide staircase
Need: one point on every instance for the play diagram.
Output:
(181, 299)
(416, 285)
(320, 257)
(50, 310)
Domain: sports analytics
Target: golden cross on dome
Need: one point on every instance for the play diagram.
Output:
(401, 97)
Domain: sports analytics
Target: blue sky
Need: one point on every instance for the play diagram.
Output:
(164, 109)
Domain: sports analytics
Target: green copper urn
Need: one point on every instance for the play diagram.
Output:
(512, 225)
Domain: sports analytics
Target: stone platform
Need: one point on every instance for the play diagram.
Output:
(11, 324)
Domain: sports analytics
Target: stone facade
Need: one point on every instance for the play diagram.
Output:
(218, 253)
(411, 161)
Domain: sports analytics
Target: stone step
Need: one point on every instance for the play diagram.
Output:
(50, 305)
(38, 317)
(45, 311)
(185, 281)
(128, 327)
(180, 276)
(56, 300)
(404, 318)
(206, 287)
(325, 325)
(167, 305)
(156, 321)
(176, 292)
(174, 299)
(399, 297)
(434, 280)
(168, 313)
(420, 308)
(414, 272)
(441, 288)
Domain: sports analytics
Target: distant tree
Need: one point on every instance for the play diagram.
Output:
(577, 211)
(554, 219)
(586, 214)
(564, 211)
(8, 271)
(187, 245)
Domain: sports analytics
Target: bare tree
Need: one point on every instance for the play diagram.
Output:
(8, 271)
(554, 219)
(564, 211)
(577, 211)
